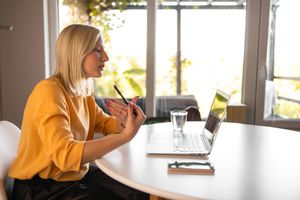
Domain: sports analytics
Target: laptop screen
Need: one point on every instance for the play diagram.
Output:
(216, 115)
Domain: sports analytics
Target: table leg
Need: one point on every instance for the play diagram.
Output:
(154, 197)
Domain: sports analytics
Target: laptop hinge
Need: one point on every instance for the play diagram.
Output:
(206, 143)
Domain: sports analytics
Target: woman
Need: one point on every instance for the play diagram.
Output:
(59, 123)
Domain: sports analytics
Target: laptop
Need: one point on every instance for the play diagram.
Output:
(200, 143)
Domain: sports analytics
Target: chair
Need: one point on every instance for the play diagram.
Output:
(154, 120)
(193, 113)
(9, 139)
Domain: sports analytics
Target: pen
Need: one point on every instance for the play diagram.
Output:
(117, 89)
(125, 100)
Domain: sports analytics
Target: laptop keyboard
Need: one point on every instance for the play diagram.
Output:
(188, 143)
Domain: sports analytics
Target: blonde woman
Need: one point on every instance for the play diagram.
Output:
(59, 122)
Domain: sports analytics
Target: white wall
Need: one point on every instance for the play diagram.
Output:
(21, 55)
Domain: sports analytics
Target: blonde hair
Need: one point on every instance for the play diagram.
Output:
(74, 43)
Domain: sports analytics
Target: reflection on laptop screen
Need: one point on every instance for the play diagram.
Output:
(216, 114)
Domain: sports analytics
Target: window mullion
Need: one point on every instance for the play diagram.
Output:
(178, 54)
(150, 68)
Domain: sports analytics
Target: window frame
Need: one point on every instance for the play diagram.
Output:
(50, 33)
(261, 78)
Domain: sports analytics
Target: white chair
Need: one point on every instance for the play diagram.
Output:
(9, 139)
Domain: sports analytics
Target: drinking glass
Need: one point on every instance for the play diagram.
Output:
(178, 119)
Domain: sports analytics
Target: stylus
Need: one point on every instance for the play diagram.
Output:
(125, 100)
(119, 92)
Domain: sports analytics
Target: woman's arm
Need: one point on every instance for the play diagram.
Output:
(94, 149)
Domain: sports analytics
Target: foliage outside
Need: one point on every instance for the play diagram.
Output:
(132, 78)
(290, 89)
(96, 13)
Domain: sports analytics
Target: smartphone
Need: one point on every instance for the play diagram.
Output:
(205, 168)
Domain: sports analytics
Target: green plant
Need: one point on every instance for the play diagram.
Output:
(95, 12)
(172, 74)
(105, 15)
(128, 79)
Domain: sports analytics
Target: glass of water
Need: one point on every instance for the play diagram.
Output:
(178, 119)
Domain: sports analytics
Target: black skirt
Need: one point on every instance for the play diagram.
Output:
(94, 185)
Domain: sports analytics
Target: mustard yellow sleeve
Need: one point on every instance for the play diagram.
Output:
(105, 123)
(53, 124)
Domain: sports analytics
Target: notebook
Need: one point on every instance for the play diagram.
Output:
(200, 143)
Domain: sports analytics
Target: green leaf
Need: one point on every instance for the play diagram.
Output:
(134, 86)
(136, 71)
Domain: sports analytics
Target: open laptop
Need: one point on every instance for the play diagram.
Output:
(200, 143)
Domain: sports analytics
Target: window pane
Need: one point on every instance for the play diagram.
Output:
(166, 53)
(127, 53)
(213, 43)
(212, 50)
(283, 61)
(284, 106)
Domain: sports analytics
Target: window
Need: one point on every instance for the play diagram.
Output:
(247, 48)
(278, 84)
(200, 47)
(282, 99)
(192, 56)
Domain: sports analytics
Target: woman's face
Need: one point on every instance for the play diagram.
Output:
(94, 62)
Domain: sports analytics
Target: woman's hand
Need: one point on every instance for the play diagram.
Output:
(135, 119)
(97, 148)
(119, 109)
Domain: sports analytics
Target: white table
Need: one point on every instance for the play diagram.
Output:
(251, 162)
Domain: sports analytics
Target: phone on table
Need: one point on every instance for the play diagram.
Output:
(205, 167)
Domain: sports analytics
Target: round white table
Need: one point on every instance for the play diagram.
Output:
(251, 162)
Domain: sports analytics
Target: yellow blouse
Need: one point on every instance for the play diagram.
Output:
(54, 129)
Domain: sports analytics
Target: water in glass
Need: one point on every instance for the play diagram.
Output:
(178, 119)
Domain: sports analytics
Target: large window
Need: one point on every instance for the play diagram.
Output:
(249, 49)
(199, 48)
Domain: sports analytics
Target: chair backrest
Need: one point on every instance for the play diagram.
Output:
(193, 113)
(9, 139)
